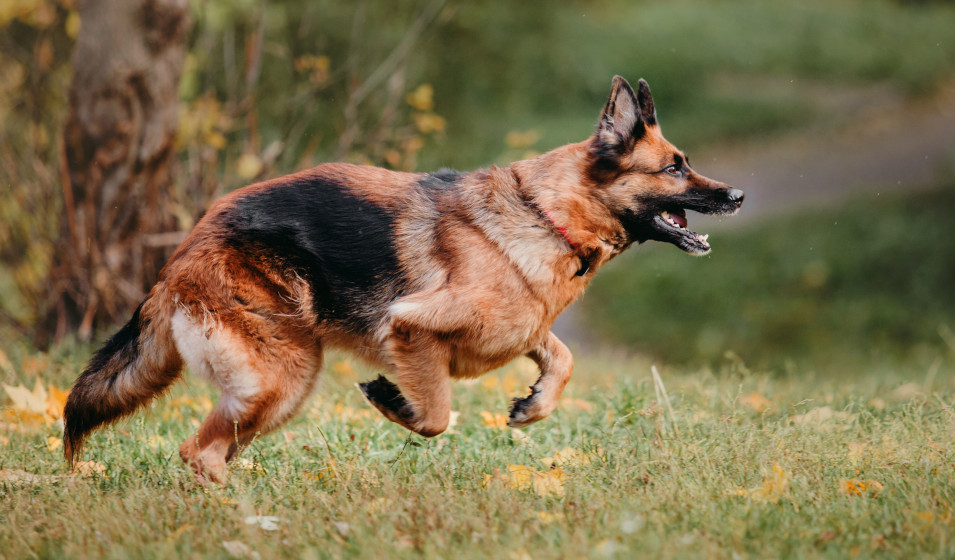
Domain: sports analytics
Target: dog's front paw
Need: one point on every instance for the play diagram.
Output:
(385, 396)
(524, 412)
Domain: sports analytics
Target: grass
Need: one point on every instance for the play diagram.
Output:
(747, 465)
(865, 282)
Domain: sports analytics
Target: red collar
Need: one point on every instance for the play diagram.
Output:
(561, 229)
(546, 216)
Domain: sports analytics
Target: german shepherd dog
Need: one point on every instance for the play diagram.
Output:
(432, 277)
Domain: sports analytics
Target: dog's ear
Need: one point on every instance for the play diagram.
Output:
(621, 123)
(645, 99)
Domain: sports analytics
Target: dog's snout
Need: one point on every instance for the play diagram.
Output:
(736, 196)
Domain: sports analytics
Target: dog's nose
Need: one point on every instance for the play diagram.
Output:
(736, 196)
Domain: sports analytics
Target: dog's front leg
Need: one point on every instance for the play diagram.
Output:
(421, 400)
(556, 365)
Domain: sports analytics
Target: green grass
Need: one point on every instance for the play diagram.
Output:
(657, 485)
(867, 281)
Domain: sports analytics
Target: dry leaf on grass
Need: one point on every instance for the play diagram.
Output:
(342, 527)
(756, 402)
(498, 421)
(522, 477)
(856, 487)
(38, 407)
(265, 522)
(775, 486)
(238, 549)
(824, 418)
(567, 457)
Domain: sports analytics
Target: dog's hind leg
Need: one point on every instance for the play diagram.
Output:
(556, 365)
(273, 396)
(291, 392)
(421, 400)
(262, 386)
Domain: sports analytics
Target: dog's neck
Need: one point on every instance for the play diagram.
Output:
(543, 213)
(542, 184)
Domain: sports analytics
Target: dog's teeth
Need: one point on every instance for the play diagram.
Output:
(666, 215)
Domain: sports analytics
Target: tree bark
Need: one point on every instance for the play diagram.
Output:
(117, 161)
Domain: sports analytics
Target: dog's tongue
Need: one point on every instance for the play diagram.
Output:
(679, 217)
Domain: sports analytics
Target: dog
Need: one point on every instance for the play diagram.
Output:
(432, 277)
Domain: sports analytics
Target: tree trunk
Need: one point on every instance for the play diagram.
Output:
(118, 148)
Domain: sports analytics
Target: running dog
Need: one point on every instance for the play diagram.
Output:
(432, 277)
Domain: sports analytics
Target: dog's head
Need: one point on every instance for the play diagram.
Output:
(645, 180)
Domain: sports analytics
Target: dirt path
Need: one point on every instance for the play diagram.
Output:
(890, 144)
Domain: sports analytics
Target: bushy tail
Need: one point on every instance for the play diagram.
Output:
(136, 364)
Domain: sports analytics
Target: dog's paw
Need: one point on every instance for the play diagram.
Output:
(522, 412)
(385, 396)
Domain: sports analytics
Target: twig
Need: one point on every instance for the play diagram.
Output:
(662, 391)
(402, 452)
(328, 448)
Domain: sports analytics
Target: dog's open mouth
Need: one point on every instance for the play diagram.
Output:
(671, 224)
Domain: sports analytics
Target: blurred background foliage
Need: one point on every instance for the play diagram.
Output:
(866, 281)
(273, 87)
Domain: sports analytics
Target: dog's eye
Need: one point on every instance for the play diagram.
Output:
(673, 170)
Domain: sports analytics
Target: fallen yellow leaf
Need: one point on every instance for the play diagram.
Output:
(34, 408)
(56, 402)
(549, 482)
(490, 420)
(824, 417)
(756, 402)
(856, 487)
(29, 401)
(522, 477)
(567, 457)
(775, 486)
(88, 468)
